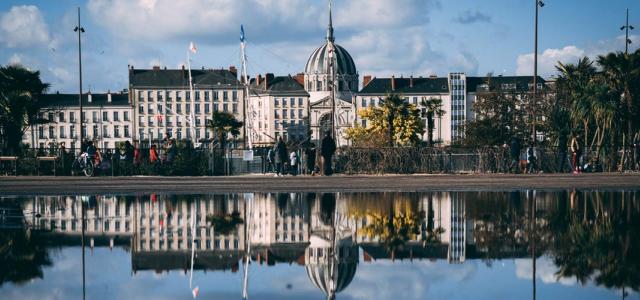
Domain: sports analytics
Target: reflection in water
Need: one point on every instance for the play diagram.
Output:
(590, 236)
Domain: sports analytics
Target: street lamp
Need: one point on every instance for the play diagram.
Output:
(626, 27)
(539, 4)
(80, 30)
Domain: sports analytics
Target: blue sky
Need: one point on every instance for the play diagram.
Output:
(402, 37)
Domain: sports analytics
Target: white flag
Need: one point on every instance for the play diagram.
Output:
(192, 48)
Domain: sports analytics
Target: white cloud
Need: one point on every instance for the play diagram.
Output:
(23, 26)
(549, 58)
(383, 13)
(545, 271)
(15, 59)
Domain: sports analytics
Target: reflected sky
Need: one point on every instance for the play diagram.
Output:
(441, 246)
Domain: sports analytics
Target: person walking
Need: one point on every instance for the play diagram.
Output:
(562, 152)
(154, 161)
(271, 156)
(327, 151)
(515, 154)
(636, 150)
(293, 163)
(280, 149)
(531, 159)
(576, 153)
(310, 158)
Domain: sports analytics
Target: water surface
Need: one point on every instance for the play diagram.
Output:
(453, 245)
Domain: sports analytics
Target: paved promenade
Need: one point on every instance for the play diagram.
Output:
(267, 183)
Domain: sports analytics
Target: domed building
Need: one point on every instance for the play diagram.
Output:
(329, 66)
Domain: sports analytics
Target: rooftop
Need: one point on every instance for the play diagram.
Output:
(179, 78)
(97, 100)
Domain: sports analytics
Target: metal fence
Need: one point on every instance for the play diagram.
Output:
(348, 160)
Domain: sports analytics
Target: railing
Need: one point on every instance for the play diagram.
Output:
(187, 161)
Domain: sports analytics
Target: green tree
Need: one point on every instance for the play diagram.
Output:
(20, 89)
(499, 116)
(396, 122)
(433, 109)
(223, 123)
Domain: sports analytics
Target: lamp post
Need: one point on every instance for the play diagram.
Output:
(80, 30)
(539, 4)
(626, 28)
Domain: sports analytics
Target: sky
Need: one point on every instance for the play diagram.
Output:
(400, 37)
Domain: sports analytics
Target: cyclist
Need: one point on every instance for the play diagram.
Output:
(91, 151)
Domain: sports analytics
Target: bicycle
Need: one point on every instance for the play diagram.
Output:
(83, 164)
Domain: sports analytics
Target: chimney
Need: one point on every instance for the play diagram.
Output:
(109, 96)
(258, 79)
(89, 97)
(365, 81)
(300, 78)
(393, 83)
(267, 78)
(433, 76)
(411, 81)
(182, 67)
(156, 68)
(233, 70)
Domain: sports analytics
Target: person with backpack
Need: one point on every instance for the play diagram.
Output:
(576, 153)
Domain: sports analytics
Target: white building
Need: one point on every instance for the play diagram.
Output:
(280, 108)
(163, 102)
(106, 119)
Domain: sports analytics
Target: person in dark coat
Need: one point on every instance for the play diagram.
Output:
(515, 154)
(562, 152)
(282, 155)
(310, 158)
(327, 151)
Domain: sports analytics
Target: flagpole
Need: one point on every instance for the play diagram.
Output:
(191, 116)
(248, 125)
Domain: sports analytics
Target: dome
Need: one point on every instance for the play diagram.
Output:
(317, 60)
(319, 275)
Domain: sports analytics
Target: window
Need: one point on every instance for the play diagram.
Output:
(116, 131)
(95, 131)
(116, 115)
(141, 109)
(319, 85)
(292, 101)
(179, 108)
(207, 108)
(62, 132)
(105, 116)
(277, 115)
(72, 117)
(126, 116)
(105, 131)
(160, 95)
(126, 131)
(50, 117)
(235, 108)
(300, 102)
(84, 116)
(364, 103)
(225, 95)
(61, 117)
(215, 96)
(293, 114)
(300, 114)
(206, 96)
(72, 132)
(52, 134)
(178, 96)
(225, 107)
(285, 113)
(188, 108)
(149, 95)
(140, 95)
(150, 121)
(188, 95)
(94, 117)
(276, 102)
(197, 107)
(234, 95)
(141, 121)
(159, 109)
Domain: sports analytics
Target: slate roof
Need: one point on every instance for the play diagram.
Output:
(278, 85)
(178, 78)
(403, 86)
(522, 82)
(316, 62)
(441, 84)
(181, 260)
(71, 100)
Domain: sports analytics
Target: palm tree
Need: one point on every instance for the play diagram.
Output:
(433, 109)
(574, 79)
(20, 89)
(621, 72)
(223, 123)
(394, 106)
